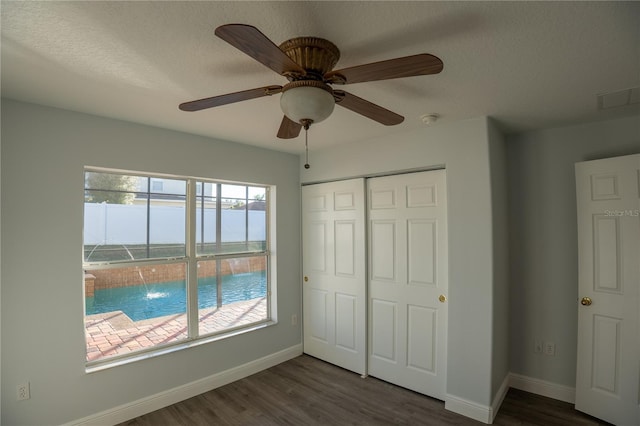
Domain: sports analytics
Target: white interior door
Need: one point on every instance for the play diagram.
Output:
(408, 280)
(608, 368)
(334, 282)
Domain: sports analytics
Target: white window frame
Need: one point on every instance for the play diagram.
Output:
(191, 259)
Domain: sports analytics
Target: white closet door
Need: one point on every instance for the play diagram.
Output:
(334, 283)
(408, 280)
(608, 371)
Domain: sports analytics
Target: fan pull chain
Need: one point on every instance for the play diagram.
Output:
(306, 123)
(306, 148)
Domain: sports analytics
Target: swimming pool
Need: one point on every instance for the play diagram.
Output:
(156, 300)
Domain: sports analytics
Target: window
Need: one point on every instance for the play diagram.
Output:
(157, 185)
(171, 260)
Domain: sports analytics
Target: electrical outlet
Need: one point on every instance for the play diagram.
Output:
(537, 346)
(294, 319)
(549, 348)
(23, 391)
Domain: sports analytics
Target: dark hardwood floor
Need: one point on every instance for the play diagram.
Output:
(307, 391)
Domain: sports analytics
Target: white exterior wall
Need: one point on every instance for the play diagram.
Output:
(109, 224)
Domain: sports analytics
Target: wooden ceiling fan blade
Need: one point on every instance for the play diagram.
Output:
(289, 129)
(366, 108)
(408, 66)
(229, 98)
(251, 41)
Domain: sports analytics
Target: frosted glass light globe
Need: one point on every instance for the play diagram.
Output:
(310, 103)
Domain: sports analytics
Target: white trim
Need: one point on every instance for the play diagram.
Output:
(479, 412)
(542, 387)
(151, 403)
(499, 398)
(473, 410)
(486, 414)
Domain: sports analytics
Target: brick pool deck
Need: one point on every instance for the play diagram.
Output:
(114, 333)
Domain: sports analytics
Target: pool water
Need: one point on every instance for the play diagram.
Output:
(156, 300)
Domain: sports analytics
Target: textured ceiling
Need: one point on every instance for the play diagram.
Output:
(528, 64)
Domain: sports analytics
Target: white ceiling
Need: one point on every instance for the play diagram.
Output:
(530, 65)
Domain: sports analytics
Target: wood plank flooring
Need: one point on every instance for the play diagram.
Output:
(307, 391)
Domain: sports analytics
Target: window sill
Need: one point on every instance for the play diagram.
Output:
(102, 365)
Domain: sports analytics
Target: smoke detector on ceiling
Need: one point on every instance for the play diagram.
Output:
(429, 118)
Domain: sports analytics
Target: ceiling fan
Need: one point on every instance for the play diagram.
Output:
(307, 62)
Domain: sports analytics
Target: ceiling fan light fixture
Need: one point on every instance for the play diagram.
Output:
(307, 63)
(307, 100)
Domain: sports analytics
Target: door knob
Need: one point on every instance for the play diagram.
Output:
(442, 298)
(306, 278)
(586, 301)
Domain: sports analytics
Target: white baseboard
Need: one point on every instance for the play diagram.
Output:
(464, 407)
(151, 403)
(542, 387)
(479, 412)
(499, 398)
(473, 410)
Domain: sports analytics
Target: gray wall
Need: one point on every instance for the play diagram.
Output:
(44, 151)
(463, 147)
(543, 238)
(499, 206)
(43, 154)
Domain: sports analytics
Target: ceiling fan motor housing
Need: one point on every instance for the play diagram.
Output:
(316, 55)
(307, 98)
